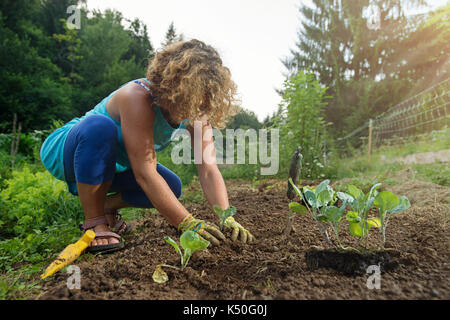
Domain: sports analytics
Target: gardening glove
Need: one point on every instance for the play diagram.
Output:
(238, 229)
(207, 230)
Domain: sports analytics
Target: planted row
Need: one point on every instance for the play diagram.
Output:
(320, 202)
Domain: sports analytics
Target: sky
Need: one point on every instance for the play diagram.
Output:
(252, 36)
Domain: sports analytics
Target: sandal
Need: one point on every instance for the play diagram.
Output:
(121, 226)
(102, 248)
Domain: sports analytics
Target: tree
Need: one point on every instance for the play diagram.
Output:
(29, 81)
(172, 36)
(244, 119)
(111, 57)
(358, 64)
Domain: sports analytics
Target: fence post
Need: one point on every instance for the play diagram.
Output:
(370, 139)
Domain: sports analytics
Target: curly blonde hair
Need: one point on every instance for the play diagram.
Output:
(188, 79)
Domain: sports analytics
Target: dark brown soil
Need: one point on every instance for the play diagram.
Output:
(275, 266)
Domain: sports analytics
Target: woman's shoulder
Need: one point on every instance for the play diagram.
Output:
(129, 95)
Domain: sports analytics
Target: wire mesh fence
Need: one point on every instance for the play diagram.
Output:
(417, 116)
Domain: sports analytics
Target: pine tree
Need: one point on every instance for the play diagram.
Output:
(172, 36)
(357, 63)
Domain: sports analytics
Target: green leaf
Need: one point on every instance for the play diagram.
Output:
(355, 192)
(191, 239)
(311, 199)
(386, 201)
(402, 206)
(352, 216)
(322, 186)
(355, 229)
(218, 210)
(224, 214)
(374, 222)
(325, 196)
(373, 189)
(296, 188)
(172, 242)
(297, 207)
(229, 212)
(345, 197)
(333, 213)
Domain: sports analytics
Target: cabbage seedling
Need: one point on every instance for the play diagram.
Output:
(360, 223)
(224, 214)
(190, 242)
(389, 204)
(333, 215)
(316, 201)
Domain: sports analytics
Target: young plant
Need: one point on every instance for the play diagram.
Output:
(224, 214)
(360, 223)
(333, 215)
(389, 204)
(190, 242)
(295, 208)
(316, 201)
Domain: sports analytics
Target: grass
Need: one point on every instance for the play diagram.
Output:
(434, 141)
(358, 170)
(20, 284)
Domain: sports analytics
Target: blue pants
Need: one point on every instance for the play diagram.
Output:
(90, 153)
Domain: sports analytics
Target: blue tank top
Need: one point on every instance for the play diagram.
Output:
(52, 149)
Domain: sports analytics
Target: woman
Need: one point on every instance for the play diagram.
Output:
(112, 149)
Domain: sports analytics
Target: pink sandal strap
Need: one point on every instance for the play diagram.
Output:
(118, 216)
(94, 222)
(106, 234)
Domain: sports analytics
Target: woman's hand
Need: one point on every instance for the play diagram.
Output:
(207, 230)
(244, 235)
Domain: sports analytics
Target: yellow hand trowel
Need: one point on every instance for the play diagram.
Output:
(69, 254)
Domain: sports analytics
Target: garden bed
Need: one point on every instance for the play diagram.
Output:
(275, 266)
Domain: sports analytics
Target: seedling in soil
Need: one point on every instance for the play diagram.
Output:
(190, 242)
(389, 204)
(359, 221)
(224, 214)
(333, 215)
(316, 201)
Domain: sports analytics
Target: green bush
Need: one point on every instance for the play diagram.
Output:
(34, 201)
(38, 217)
(301, 123)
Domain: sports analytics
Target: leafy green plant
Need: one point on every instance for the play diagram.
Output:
(319, 202)
(33, 201)
(38, 218)
(333, 215)
(301, 122)
(359, 220)
(316, 201)
(190, 242)
(224, 214)
(389, 204)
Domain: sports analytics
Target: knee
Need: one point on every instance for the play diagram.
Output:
(99, 127)
(176, 186)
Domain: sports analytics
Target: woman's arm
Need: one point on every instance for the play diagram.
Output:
(211, 179)
(137, 117)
